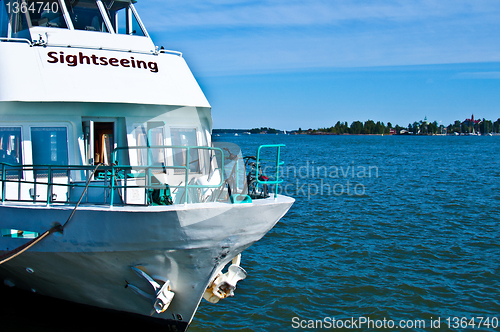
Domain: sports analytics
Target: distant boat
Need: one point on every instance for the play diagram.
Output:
(247, 133)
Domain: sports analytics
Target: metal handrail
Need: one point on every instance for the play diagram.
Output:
(50, 170)
(171, 52)
(116, 172)
(187, 186)
(111, 172)
(29, 42)
(16, 40)
(278, 164)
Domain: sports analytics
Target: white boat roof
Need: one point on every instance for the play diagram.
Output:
(88, 51)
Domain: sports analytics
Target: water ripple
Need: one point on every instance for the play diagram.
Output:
(422, 242)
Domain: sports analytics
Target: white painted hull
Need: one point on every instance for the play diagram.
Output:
(91, 262)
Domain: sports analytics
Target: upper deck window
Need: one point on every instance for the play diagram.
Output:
(25, 14)
(4, 21)
(124, 18)
(85, 15)
(45, 13)
(115, 16)
(19, 18)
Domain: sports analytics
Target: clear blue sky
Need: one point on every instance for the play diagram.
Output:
(295, 63)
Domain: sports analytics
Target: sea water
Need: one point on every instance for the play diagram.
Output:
(387, 232)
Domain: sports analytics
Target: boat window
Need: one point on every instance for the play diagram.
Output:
(19, 16)
(31, 13)
(10, 146)
(185, 137)
(140, 139)
(4, 21)
(85, 15)
(49, 145)
(46, 13)
(123, 18)
(154, 136)
(135, 28)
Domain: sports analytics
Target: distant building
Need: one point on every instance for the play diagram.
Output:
(472, 121)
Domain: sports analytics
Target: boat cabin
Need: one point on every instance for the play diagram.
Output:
(82, 84)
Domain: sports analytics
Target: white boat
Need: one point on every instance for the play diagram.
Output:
(113, 194)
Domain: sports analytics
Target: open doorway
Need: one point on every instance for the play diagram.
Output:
(103, 142)
(99, 141)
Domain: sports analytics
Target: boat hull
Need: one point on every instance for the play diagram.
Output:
(90, 263)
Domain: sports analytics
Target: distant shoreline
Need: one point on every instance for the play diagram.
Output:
(422, 128)
(322, 133)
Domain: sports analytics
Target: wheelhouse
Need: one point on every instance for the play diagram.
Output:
(112, 23)
(108, 16)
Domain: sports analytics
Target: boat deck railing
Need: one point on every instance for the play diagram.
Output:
(113, 184)
(150, 172)
(16, 40)
(276, 180)
(117, 184)
(156, 51)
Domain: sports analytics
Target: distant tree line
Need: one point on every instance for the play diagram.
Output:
(264, 130)
(484, 127)
(371, 127)
(358, 128)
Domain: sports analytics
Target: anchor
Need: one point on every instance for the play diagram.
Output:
(163, 294)
(224, 284)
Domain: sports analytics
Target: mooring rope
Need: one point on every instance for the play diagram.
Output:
(57, 228)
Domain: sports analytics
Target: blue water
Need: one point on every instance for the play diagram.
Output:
(412, 234)
(398, 228)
